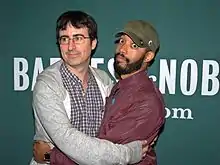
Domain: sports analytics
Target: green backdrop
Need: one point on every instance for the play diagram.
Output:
(186, 69)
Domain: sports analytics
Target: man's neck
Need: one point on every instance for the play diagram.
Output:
(130, 74)
(81, 72)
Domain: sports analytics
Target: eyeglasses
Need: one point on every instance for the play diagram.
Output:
(77, 39)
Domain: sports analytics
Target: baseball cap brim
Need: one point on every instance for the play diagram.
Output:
(133, 37)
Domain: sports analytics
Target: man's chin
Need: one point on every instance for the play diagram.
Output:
(122, 65)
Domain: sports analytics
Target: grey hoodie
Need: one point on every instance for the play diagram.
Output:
(51, 105)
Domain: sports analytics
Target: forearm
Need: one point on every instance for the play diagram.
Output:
(59, 158)
(86, 150)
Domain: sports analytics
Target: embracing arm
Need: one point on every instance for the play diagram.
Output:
(79, 147)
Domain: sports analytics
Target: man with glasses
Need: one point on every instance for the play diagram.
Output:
(69, 98)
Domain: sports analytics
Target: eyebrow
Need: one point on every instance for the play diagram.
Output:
(75, 35)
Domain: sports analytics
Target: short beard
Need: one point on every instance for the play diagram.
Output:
(129, 68)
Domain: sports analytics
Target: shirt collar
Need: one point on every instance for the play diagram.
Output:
(134, 80)
(69, 75)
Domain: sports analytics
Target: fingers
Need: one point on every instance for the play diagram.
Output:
(154, 141)
(144, 143)
(145, 149)
(39, 149)
(146, 146)
(34, 148)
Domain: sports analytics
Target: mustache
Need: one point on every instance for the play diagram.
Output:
(119, 54)
(122, 55)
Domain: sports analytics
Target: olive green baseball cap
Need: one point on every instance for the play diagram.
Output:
(142, 33)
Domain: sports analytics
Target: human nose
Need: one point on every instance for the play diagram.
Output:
(71, 44)
(123, 48)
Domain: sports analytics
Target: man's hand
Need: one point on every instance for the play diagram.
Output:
(145, 147)
(39, 149)
(154, 141)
